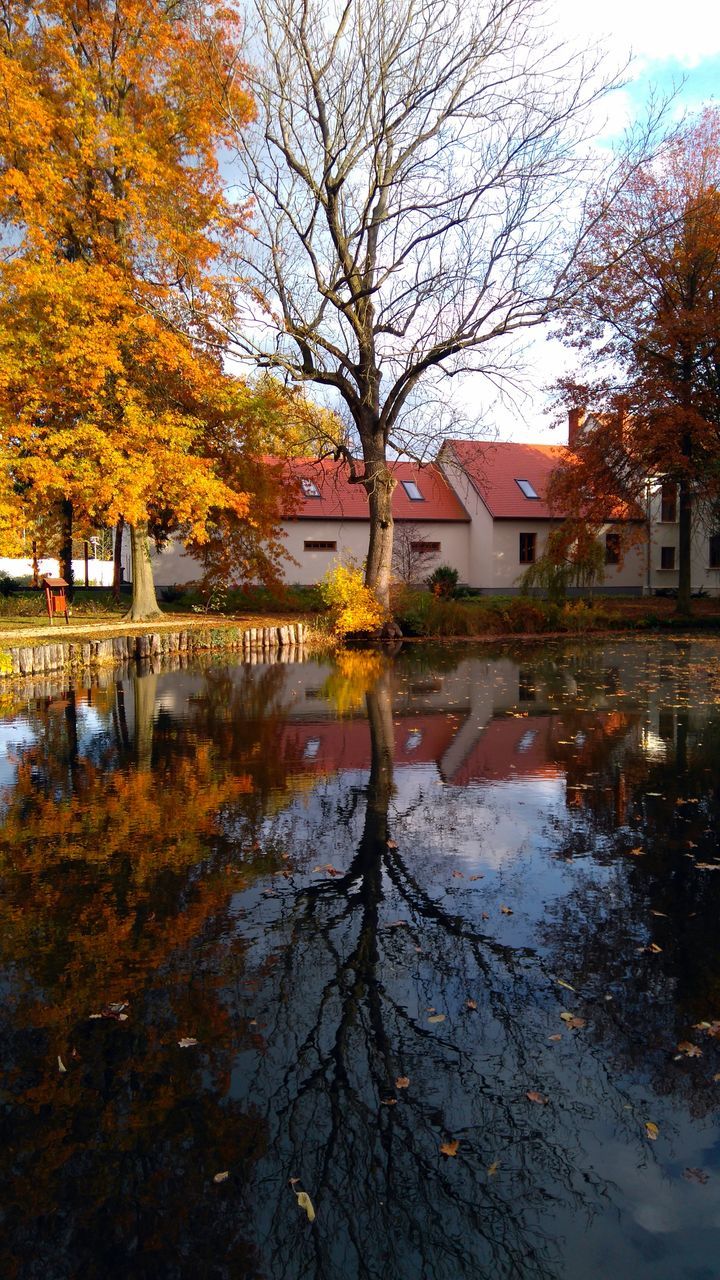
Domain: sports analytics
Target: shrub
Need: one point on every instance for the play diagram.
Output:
(170, 595)
(8, 585)
(443, 582)
(353, 606)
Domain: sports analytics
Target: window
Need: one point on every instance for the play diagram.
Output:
(667, 557)
(612, 548)
(412, 490)
(526, 488)
(320, 545)
(714, 549)
(527, 548)
(309, 488)
(425, 548)
(668, 503)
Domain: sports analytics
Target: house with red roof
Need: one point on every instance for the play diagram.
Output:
(325, 520)
(480, 508)
(503, 487)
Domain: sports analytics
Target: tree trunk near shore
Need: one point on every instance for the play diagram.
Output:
(144, 605)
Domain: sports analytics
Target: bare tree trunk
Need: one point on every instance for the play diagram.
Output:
(379, 484)
(66, 567)
(144, 601)
(117, 559)
(684, 605)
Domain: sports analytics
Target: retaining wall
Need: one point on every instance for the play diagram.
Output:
(42, 659)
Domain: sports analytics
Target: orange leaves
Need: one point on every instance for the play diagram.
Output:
(108, 308)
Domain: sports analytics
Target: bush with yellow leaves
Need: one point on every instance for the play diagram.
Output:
(353, 606)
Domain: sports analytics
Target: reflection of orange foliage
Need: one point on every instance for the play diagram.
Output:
(102, 879)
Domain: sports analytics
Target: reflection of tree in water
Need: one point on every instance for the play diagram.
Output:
(310, 1002)
(118, 868)
(638, 935)
(347, 1015)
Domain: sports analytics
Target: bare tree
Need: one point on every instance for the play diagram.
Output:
(411, 166)
(413, 557)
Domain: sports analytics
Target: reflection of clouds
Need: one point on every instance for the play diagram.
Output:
(510, 817)
(657, 1204)
(14, 734)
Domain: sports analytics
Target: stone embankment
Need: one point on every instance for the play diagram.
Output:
(252, 642)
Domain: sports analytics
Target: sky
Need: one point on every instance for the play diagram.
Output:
(673, 48)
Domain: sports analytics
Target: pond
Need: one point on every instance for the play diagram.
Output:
(426, 945)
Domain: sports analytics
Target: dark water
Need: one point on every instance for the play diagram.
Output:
(368, 892)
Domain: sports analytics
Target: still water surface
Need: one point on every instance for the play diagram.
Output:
(318, 921)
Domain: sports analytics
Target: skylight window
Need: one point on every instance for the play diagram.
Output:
(526, 488)
(412, 490)
(309, 488)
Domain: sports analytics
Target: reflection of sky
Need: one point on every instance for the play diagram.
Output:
(14, 734)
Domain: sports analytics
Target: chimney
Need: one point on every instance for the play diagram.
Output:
(576, 418)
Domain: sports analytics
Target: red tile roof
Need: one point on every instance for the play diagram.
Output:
(340, 500)
(494, 470)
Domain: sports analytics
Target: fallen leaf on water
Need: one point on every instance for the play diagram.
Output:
(187, 1042)
(712, 1028)
(61, 1066)
(690, 1050)
(708, 866)
(480, 877)
(507, 911)
(566, 1016)
(222, 1177)
(437, 1017)
(651, 1130)
(696, 1175)
(402, 1082)
(471, 1004)
(304, 1202)
(388, 1102)
(662, 914)
(533, 1096)
(566, 985)
(450, 1148)
(639, 852)
(391, 844)
(458, 875)
(485, 915)
(575, 1024)
(557, 1037)
(493, 1168)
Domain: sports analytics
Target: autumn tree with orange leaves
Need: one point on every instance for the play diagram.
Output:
(648, 329)
(114, 287)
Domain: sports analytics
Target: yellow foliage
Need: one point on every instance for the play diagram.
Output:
(353, 606)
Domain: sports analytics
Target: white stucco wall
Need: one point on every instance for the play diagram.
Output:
(351, 537)
(666, 534)
(100, 572)
(173, 565)
(507, 570)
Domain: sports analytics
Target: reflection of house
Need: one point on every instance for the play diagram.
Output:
(481, 508)
(341, 746)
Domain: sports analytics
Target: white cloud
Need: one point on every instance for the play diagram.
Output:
(653, 30)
